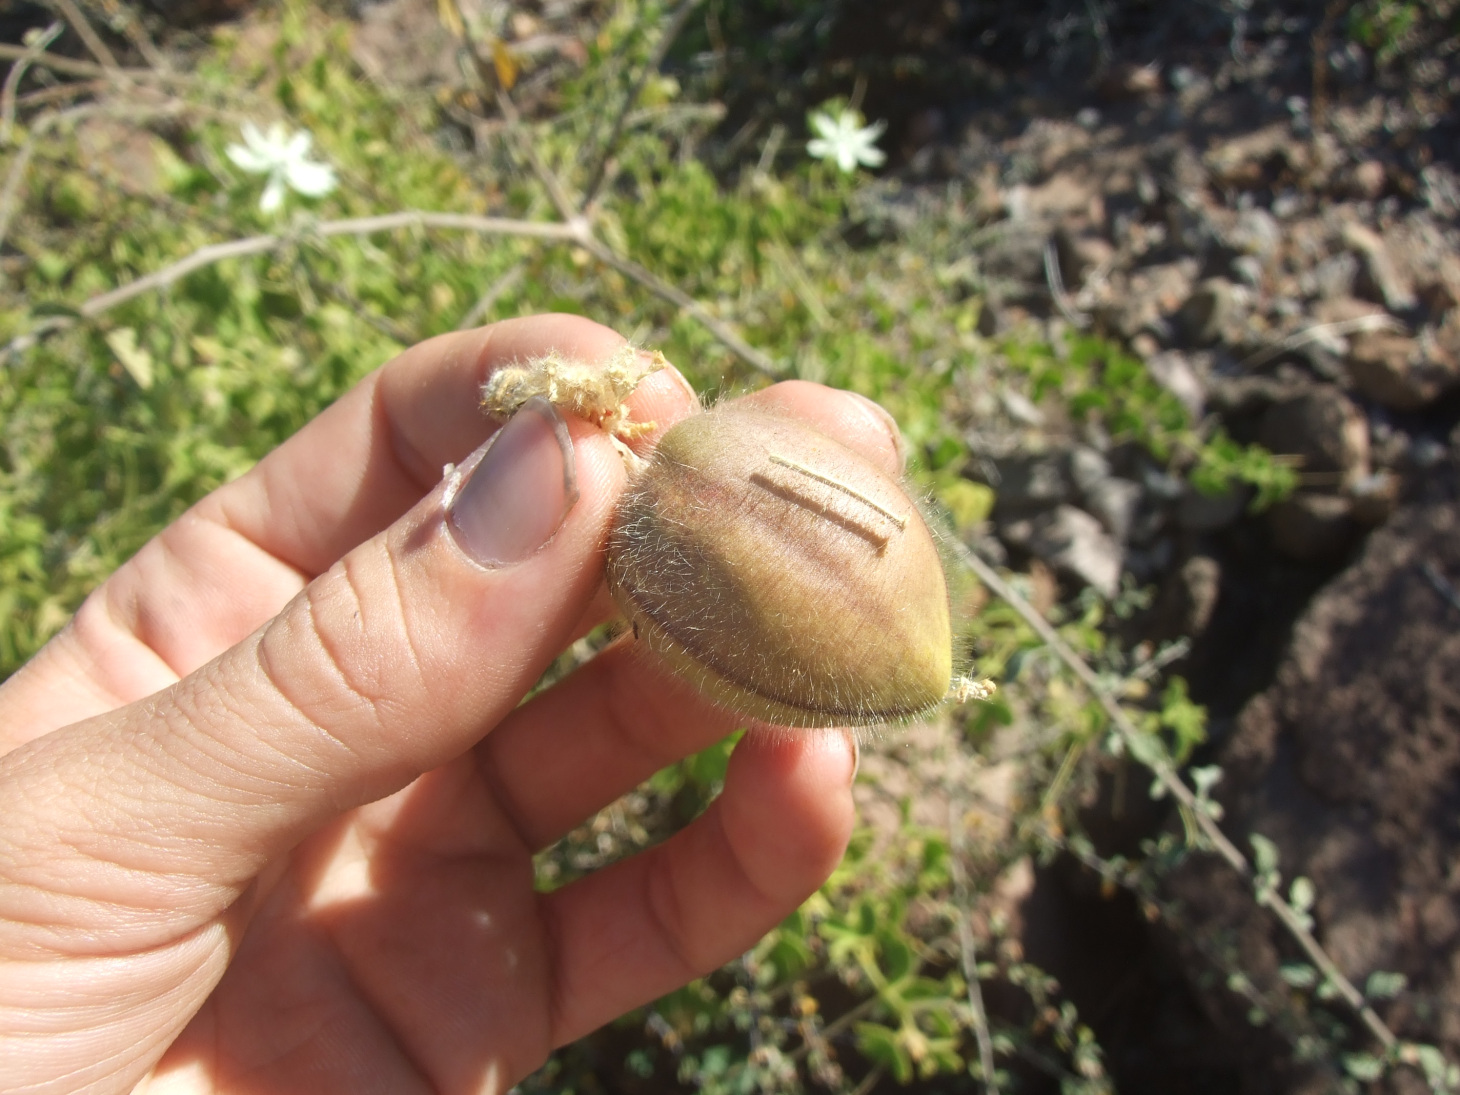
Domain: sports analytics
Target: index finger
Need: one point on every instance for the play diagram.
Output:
(232, 562)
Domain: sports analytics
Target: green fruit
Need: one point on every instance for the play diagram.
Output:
(784, 575)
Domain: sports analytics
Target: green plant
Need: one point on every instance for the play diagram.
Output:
(1384, 26)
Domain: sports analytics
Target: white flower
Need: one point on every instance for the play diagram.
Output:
(845, 140)
(285, 160)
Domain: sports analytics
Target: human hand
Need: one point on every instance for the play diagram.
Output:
(268, 804)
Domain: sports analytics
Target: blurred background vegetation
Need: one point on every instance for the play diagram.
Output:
(678, 133)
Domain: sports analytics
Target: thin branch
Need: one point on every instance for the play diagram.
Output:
(839, 1024)
(1178, 790)
(69, 67)
(671, 31)
(968, 953)
(58, 92)
(504, 284)
(691, 307)
(17, 73)
(1441, 585)
(1057, 292)
(359, 226)
(1359, 324)
(99, 49)
(137, 34)
(10, 194)
(256, 245)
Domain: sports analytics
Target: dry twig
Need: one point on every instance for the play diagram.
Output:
(1056, 283)
(968, 953)
(1376, 322)
(136, 33)
(691, 307)
(256, 245)
(17, 73)
(504, 284)
(77, 18)
(66, 66)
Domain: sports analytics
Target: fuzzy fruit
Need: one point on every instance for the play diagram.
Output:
(784, 575)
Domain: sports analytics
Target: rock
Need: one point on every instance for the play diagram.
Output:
(1150, 294)
(1325, 430)
(1374, 498)
(1115, 503)
(403, 43)
(1247, 396)
(1073, 543)
(191, 13)
(1366, 180)
(1186, 600)
(125, 152)
(1130, 81)
(1248, 270)
(1088, 468)
(1028, 481)
(1439, 297)
(1020, 407)
(1400, 372)
(1350, 763)
(1015, 255)
(1208, 311)
(1380, 276)
(1200, 512)
(1311, 526)
(1079, 254)
(1257, 233)
(1245, 162)
(1334, 277)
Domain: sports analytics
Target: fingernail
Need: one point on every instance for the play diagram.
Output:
(887, 422)
(851, 736)
(520, 491)
(678, 377)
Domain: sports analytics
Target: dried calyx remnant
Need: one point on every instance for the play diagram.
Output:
(781, 573)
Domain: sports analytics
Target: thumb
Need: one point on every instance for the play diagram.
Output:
(396, 660)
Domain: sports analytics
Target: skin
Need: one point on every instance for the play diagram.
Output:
(268, 803)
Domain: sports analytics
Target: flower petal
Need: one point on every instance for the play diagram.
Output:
(311, 179)
(248, 159)
(820, 148)
(298, 146)
(253, 138)
(825, 128)
(273, 196)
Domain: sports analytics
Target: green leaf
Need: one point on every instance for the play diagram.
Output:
(1363, 1066)
(1186, 720)
(1299, 974)
(1265, 853)
(136, 360)
(1383, 985)
(883, 1047)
